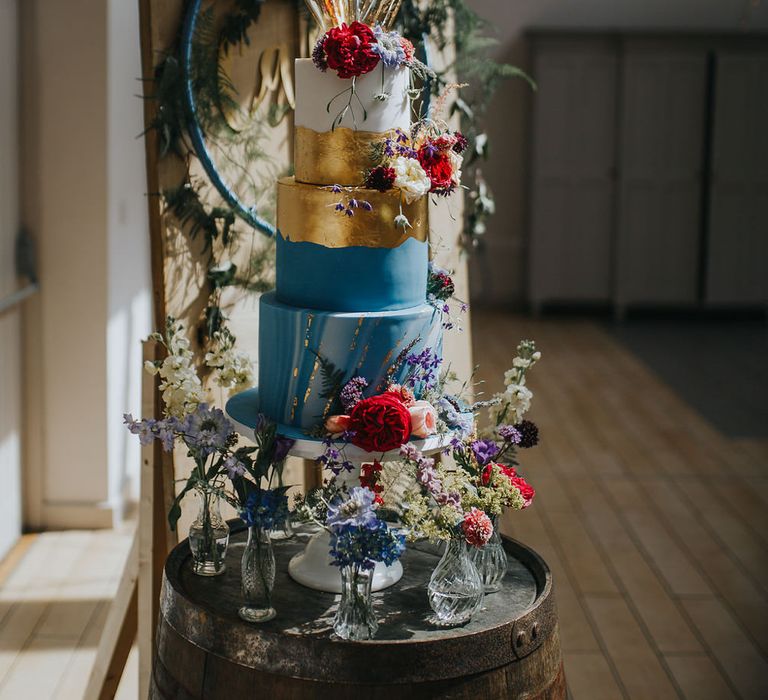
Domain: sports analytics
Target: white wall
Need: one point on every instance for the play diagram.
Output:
(10, 327)
(83, 200)
(498, 268)
(129, 314)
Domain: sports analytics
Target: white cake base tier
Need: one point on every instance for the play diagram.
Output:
(313, 568)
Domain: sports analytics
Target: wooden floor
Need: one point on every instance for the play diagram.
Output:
(654, 524)
(55, 592)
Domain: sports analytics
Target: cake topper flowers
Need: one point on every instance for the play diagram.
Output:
(332, 13)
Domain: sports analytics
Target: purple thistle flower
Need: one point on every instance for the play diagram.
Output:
(509, 433)
(318, 55)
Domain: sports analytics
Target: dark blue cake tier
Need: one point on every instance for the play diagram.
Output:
(366, 343)
(327, 260)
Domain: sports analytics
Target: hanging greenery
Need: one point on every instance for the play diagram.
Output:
(446, 21)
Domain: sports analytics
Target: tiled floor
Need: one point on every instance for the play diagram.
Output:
(654, 524)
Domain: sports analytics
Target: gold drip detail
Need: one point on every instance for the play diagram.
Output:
(338, 157)
(305, 213)
(310, 317)
(356, 333)
(293, 407)
(311, 379)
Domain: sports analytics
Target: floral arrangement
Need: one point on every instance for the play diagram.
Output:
(441, 294)
(357, 49)
(428, 159)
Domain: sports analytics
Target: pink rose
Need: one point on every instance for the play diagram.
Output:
(423, 419)
(337, 424)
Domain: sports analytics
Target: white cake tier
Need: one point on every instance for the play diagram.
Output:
(315, 89)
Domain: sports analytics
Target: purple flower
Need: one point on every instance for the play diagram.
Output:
(352, 392)
(389, 47)
(484, 450)
(234, 467)
(340, 207)
(366, 205)
(206, 429)
(283, 446)
(145, 429)
(349, 212)
(509, 433)
(318, 55)
(357, 509)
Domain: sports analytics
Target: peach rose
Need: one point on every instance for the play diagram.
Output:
(337, 424)
(423, 419)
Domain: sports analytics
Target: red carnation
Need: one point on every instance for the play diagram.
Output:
(407, 48)
(348, 50)
(526, 490)
(380, 423)
(437, 165)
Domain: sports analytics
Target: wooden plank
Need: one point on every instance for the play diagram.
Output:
(119, 633)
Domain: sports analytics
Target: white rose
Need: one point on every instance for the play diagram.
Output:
(410, 178)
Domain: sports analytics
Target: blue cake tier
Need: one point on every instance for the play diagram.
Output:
(365, 262)
(368, 343)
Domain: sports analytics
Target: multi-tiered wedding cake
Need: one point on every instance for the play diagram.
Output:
(351, 287)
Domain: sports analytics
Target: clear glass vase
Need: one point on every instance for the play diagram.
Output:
(209, 536)
(491, 560)
(285, 532)
(455, 589)
(354, 619)
(258, 577)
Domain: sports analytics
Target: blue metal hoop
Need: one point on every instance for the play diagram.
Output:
(248, 214)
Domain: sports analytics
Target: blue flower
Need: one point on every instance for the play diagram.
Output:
(353, 545)
(357, 509)
(266, 508)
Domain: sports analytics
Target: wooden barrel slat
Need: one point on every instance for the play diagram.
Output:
(510, 649)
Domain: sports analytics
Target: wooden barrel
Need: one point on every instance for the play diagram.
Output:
(510, 648)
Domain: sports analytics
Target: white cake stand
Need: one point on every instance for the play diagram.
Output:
(313, 567)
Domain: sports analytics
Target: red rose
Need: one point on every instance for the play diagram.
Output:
(437, 165)
(380, 423)
(526, 490)
(348, 50)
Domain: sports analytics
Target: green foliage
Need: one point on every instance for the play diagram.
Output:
(333, 380)
(473, 65)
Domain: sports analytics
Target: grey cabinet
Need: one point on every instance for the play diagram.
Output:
(648, 172)
(737, 242)
(660, 174)
(572, 171)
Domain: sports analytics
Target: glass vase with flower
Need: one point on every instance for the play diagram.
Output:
(265, 509)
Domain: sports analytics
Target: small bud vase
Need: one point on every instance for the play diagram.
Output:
(258, 577)
(208, 536)
(284, 532)
(355, 620)
(455, 590)
(491, 560)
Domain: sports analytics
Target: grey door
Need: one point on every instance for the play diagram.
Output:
(662, 145)
(572, 178)
(737, 246)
